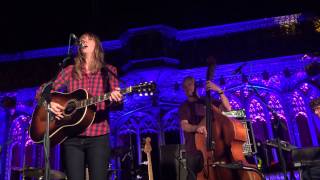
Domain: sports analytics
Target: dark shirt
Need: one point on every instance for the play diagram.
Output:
(194, 112)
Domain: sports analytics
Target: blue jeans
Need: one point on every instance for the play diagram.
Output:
(79, 151)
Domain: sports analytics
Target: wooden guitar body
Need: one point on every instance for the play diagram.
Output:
(79, 113)
(74, 121)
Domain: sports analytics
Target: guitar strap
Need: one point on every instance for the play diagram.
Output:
(106, 72)
(105, 78)
(106, 86)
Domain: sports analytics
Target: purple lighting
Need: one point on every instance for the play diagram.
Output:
(256, 111)
(157, 114)
(235, 105)
(304, 87)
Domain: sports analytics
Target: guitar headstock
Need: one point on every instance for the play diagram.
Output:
(144, 89)
(147, 147)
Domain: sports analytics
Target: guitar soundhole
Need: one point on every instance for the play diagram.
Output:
(70, 108)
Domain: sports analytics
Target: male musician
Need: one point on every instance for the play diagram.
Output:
(191, 112)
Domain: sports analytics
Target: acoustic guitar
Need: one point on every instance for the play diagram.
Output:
(79, 113)
(147, 149)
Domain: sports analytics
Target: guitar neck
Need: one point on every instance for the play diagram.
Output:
(150, 173)
(98, 99)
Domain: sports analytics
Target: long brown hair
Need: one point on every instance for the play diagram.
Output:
(98, 57)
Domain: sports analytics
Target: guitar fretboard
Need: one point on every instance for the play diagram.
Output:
(98, 99)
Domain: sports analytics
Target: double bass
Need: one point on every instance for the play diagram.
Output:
(222, 148)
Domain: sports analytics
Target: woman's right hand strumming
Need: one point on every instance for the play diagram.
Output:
(56, 109)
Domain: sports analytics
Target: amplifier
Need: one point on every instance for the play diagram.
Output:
(238, 114)
(173, 162)
(249, 147)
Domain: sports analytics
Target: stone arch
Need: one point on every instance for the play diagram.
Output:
(275, 104)
(312, 93)
(136, 122)
(132, 126)
(170, 123)
(18, 135)
(298, 108)
(298, 103)
(235, 103)
(304, 129)
(256, 109)
(258, 117)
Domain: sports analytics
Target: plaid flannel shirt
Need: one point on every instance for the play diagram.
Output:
(93, 84)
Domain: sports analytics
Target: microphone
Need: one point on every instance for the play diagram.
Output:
(239, 69)
(77, 41)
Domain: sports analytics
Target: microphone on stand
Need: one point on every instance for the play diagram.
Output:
(77, 41)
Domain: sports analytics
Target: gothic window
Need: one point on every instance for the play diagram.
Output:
(258, 120)
(304, 130)
(298, 103)
(235, 105)
(299, 110)
(275, 105)
(171, 127)
(260, 129)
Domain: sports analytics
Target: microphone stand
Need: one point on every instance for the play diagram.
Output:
(45, 100)
(275, 127)
(279, 146)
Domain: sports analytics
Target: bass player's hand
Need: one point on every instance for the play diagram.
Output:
(202, 130)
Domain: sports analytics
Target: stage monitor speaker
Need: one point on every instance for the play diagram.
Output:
(173, 162)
